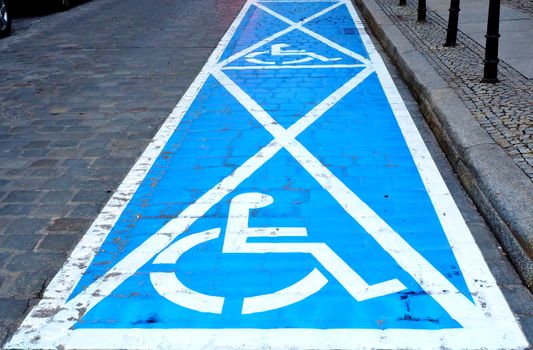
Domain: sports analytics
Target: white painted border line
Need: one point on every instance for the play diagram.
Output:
(282, 339)
(476, 273)
(309, 66)
(85, 299)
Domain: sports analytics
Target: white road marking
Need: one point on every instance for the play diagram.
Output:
(301, 66)
(302, 289)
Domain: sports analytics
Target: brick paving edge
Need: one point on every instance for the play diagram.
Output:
(501, 191)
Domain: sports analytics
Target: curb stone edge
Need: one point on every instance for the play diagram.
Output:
(501, 191)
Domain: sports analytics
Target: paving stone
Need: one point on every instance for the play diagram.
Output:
(4, 331)
(77, 163)
(22, 196)
(58, 197)
(20, 242)
(37, 144)
(69, 224)
(27, 226)
(97, 196)
(44, 163)
(15, 209)
(519, 299)
(48, 210)
(3, 224)
(58, 242)
(85, 210)
(35, 153)
(12, 309)
(35, 262)
(5, 256)
(527, 327)
(23, 285)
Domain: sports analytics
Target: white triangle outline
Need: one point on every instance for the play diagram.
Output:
(427, 276)
(295, 26)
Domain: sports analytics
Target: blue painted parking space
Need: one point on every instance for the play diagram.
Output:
(289, 200)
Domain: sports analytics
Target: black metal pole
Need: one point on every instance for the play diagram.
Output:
(403, 2)
(453, 22)
(490, 74)
(421, 10)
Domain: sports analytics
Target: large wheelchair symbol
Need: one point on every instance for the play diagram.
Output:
(277, 50)
(236, 242)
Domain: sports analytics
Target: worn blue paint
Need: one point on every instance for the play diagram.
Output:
(358, 140)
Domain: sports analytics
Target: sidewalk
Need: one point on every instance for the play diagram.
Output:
(516, 29)
(486, 130)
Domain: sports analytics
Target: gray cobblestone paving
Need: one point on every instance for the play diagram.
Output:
(522, 5)
(81, 95)
(504, 110)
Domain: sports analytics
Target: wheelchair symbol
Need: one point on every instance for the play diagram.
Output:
(276, 50)
(237, 233)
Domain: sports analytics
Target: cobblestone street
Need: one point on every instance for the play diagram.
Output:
(82, 94)
(504, 110)
(86, 181)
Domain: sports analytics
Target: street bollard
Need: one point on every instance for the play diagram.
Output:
(403, 2)
(490, 74)
(453, 21)
(421, 10)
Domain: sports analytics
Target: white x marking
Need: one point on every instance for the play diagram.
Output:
(314, 35)
(294, 26)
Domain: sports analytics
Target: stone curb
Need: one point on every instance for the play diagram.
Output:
(501, 191)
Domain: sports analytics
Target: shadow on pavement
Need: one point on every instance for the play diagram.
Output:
(38, 8)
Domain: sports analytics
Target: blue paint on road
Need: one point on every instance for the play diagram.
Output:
(358, 140)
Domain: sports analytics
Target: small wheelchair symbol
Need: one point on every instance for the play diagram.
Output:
(236, 241)
(277, 50)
